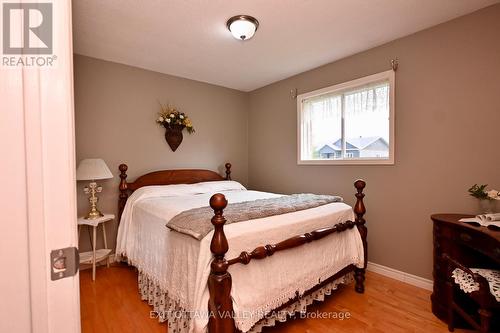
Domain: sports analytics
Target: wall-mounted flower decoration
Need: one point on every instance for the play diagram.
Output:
(174, 123)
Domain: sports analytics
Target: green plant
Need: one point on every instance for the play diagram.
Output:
(479, 191)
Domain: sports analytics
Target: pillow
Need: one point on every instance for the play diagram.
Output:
(219, 186)
(176, 190)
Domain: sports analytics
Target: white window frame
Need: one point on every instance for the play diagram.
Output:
(339, 88)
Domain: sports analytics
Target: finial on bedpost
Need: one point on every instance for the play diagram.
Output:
(228, 171)
(123, 187)
(360, 210)
(219, 244)
(220, 305)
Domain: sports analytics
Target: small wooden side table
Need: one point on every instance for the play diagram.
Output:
(96, 255)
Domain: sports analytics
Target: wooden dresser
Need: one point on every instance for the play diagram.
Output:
(472, 246)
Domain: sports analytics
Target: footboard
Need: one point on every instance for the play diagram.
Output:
(220, 305)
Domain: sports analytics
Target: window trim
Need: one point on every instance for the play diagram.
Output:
(387, 75)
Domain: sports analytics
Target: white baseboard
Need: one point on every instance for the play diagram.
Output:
(400, 276)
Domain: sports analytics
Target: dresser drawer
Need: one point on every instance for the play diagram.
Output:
(478, 241)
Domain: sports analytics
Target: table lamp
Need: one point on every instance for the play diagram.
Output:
(93, 169)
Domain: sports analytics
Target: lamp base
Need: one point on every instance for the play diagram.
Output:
(93, 189)
(92, 215)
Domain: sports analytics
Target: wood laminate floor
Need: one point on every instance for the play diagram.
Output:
(112, 304)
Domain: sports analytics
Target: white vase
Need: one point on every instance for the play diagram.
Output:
(488, 206)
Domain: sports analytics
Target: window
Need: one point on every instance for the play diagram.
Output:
(349, 123)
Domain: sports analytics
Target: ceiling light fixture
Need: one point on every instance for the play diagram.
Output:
(242, 27)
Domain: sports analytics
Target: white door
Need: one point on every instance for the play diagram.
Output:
(37, 177)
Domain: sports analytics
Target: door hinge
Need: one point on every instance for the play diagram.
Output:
(64, 262)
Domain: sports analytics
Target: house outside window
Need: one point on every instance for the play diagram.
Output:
(348, 123)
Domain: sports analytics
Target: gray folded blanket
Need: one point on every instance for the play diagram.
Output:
(196, 222)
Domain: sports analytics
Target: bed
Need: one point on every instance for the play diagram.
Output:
(205, 284)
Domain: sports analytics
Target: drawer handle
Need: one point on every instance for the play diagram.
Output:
(465, 237)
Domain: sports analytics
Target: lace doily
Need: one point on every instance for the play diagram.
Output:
(468, 285)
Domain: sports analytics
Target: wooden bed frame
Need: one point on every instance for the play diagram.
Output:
(220, 305)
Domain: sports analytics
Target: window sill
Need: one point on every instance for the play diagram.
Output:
(347, 162)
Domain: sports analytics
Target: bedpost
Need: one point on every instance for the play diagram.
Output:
(360, 210)
(123, 190)
(228, 171)
(220, 305)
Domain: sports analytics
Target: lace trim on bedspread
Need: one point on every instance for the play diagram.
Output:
(164, 307)
(178, 319)
(177, 296)
(300, 306)
(468, 285)
(247, 321)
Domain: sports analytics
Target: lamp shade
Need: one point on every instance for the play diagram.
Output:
(93, 169)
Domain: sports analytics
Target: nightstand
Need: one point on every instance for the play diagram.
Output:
(96, 255)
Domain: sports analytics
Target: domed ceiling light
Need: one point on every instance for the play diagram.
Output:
(242, 27)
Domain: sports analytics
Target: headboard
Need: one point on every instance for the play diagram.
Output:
(164, 177)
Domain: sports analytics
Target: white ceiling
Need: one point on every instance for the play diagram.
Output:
(188, 38)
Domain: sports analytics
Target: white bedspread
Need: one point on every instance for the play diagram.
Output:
(181, 264)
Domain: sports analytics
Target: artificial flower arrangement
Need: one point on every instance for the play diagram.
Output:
(170, 116)
(480, 192)
(174, 123)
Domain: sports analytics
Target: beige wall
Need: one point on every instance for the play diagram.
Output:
(447, 135)
(116, 107)
(447, 125)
